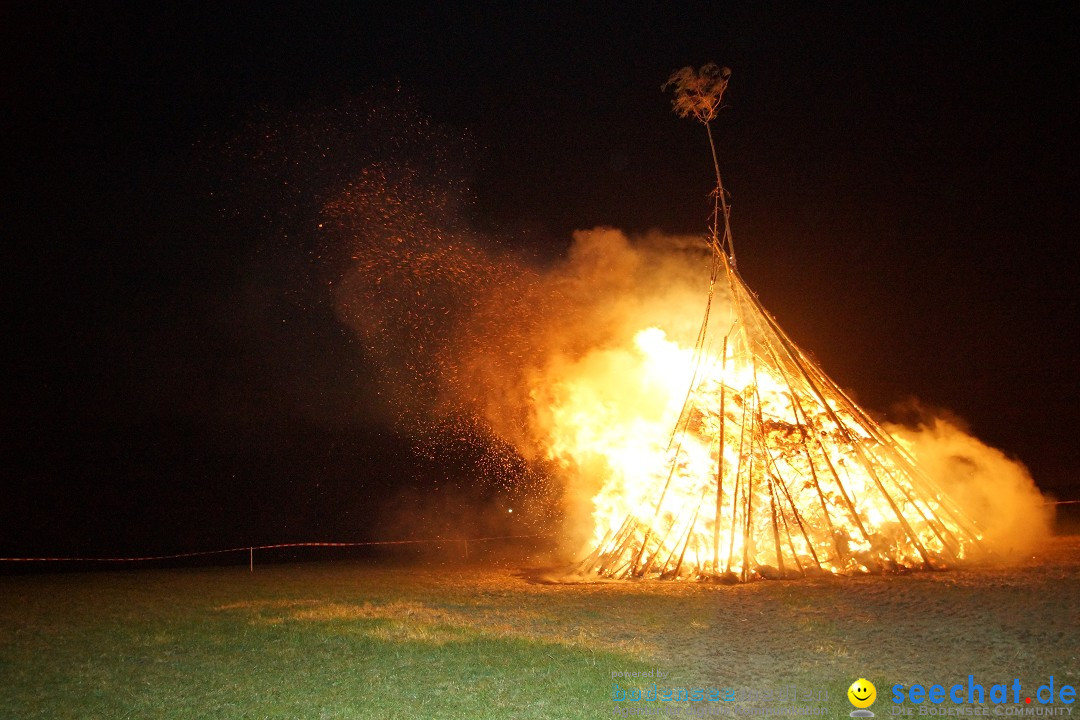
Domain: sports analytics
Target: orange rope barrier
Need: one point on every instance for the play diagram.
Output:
(251, 548)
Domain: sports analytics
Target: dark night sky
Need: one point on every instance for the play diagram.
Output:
(905, 183)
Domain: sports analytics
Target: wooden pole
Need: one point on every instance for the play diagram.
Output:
(738, 477)
(749, 495)
(802, 366)
(796, 409)
(588, 562)
(619, 549)
(689, 533)
(655, 555)
(790, 542)
(945, 544)
(775, 529)
(720, 463)
(798, 519)
(251, 559)
(671, 554)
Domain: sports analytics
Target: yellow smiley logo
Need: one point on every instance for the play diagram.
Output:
(862, 693)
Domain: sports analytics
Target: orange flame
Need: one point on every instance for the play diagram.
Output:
(771, 469)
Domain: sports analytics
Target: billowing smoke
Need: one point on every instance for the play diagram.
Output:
(994, 489)
(470, 333)
(474, 343)
(471, 340)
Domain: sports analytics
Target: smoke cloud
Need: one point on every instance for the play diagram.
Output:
(474, 343)
(998, 492)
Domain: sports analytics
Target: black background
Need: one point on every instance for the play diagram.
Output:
(905, 203)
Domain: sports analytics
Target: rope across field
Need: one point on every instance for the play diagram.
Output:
(250, 549)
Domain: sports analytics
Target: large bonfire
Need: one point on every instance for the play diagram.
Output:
(771, 469)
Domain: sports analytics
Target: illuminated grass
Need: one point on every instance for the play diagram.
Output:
(350, 640)
(289, 642)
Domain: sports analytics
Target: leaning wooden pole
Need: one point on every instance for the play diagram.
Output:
(775, 529)
(790, 542)
(798, 519)
(689, 534)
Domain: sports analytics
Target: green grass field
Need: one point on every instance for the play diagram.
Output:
(369, 640)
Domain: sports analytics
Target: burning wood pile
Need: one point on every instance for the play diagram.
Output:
(771, 470)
